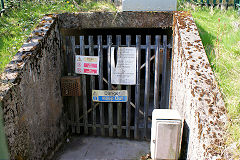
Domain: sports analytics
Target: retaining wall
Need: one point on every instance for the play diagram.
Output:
(30, 94)
(195, 93)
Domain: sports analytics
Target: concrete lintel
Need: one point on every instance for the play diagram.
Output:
(96, 20)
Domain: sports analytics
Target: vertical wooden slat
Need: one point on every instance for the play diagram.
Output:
(73, 53)
(76, 98)
(227, 1)
(101, 107)
(77, 113)
(164, 70)
(128, 107)
(110, 105)
(119, 105)
(238, 7)
(156, 78)
(69, 58)
(214, 2)
(220, 3)
(65, 99)
(64, 43)
(92, 85)
(2, 4)
(84, 90)
(69, 70)
(147, 83)
(137, 87)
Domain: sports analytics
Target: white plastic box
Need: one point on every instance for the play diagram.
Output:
(149, 5)
(166, 134)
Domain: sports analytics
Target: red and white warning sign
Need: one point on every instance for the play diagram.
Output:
(87, 65)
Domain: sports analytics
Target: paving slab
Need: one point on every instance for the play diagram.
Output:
(95, 148)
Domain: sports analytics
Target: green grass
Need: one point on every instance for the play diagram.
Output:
(18, 23)
(220, 34)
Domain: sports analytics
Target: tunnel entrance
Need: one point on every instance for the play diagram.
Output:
(130, 119)
(30, 92)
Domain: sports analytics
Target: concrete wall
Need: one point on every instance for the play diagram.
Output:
(195, 93)
(95, 20)
(30, 94)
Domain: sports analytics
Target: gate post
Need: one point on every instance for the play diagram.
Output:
(164, 74)
(3, 8)
(238, 5)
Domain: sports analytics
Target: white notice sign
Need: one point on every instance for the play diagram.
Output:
(87, 65)
(123, 66)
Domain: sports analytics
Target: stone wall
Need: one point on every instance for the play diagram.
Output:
(195, 93)
(30, 94)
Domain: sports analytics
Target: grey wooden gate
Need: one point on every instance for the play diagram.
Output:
(131, 119)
